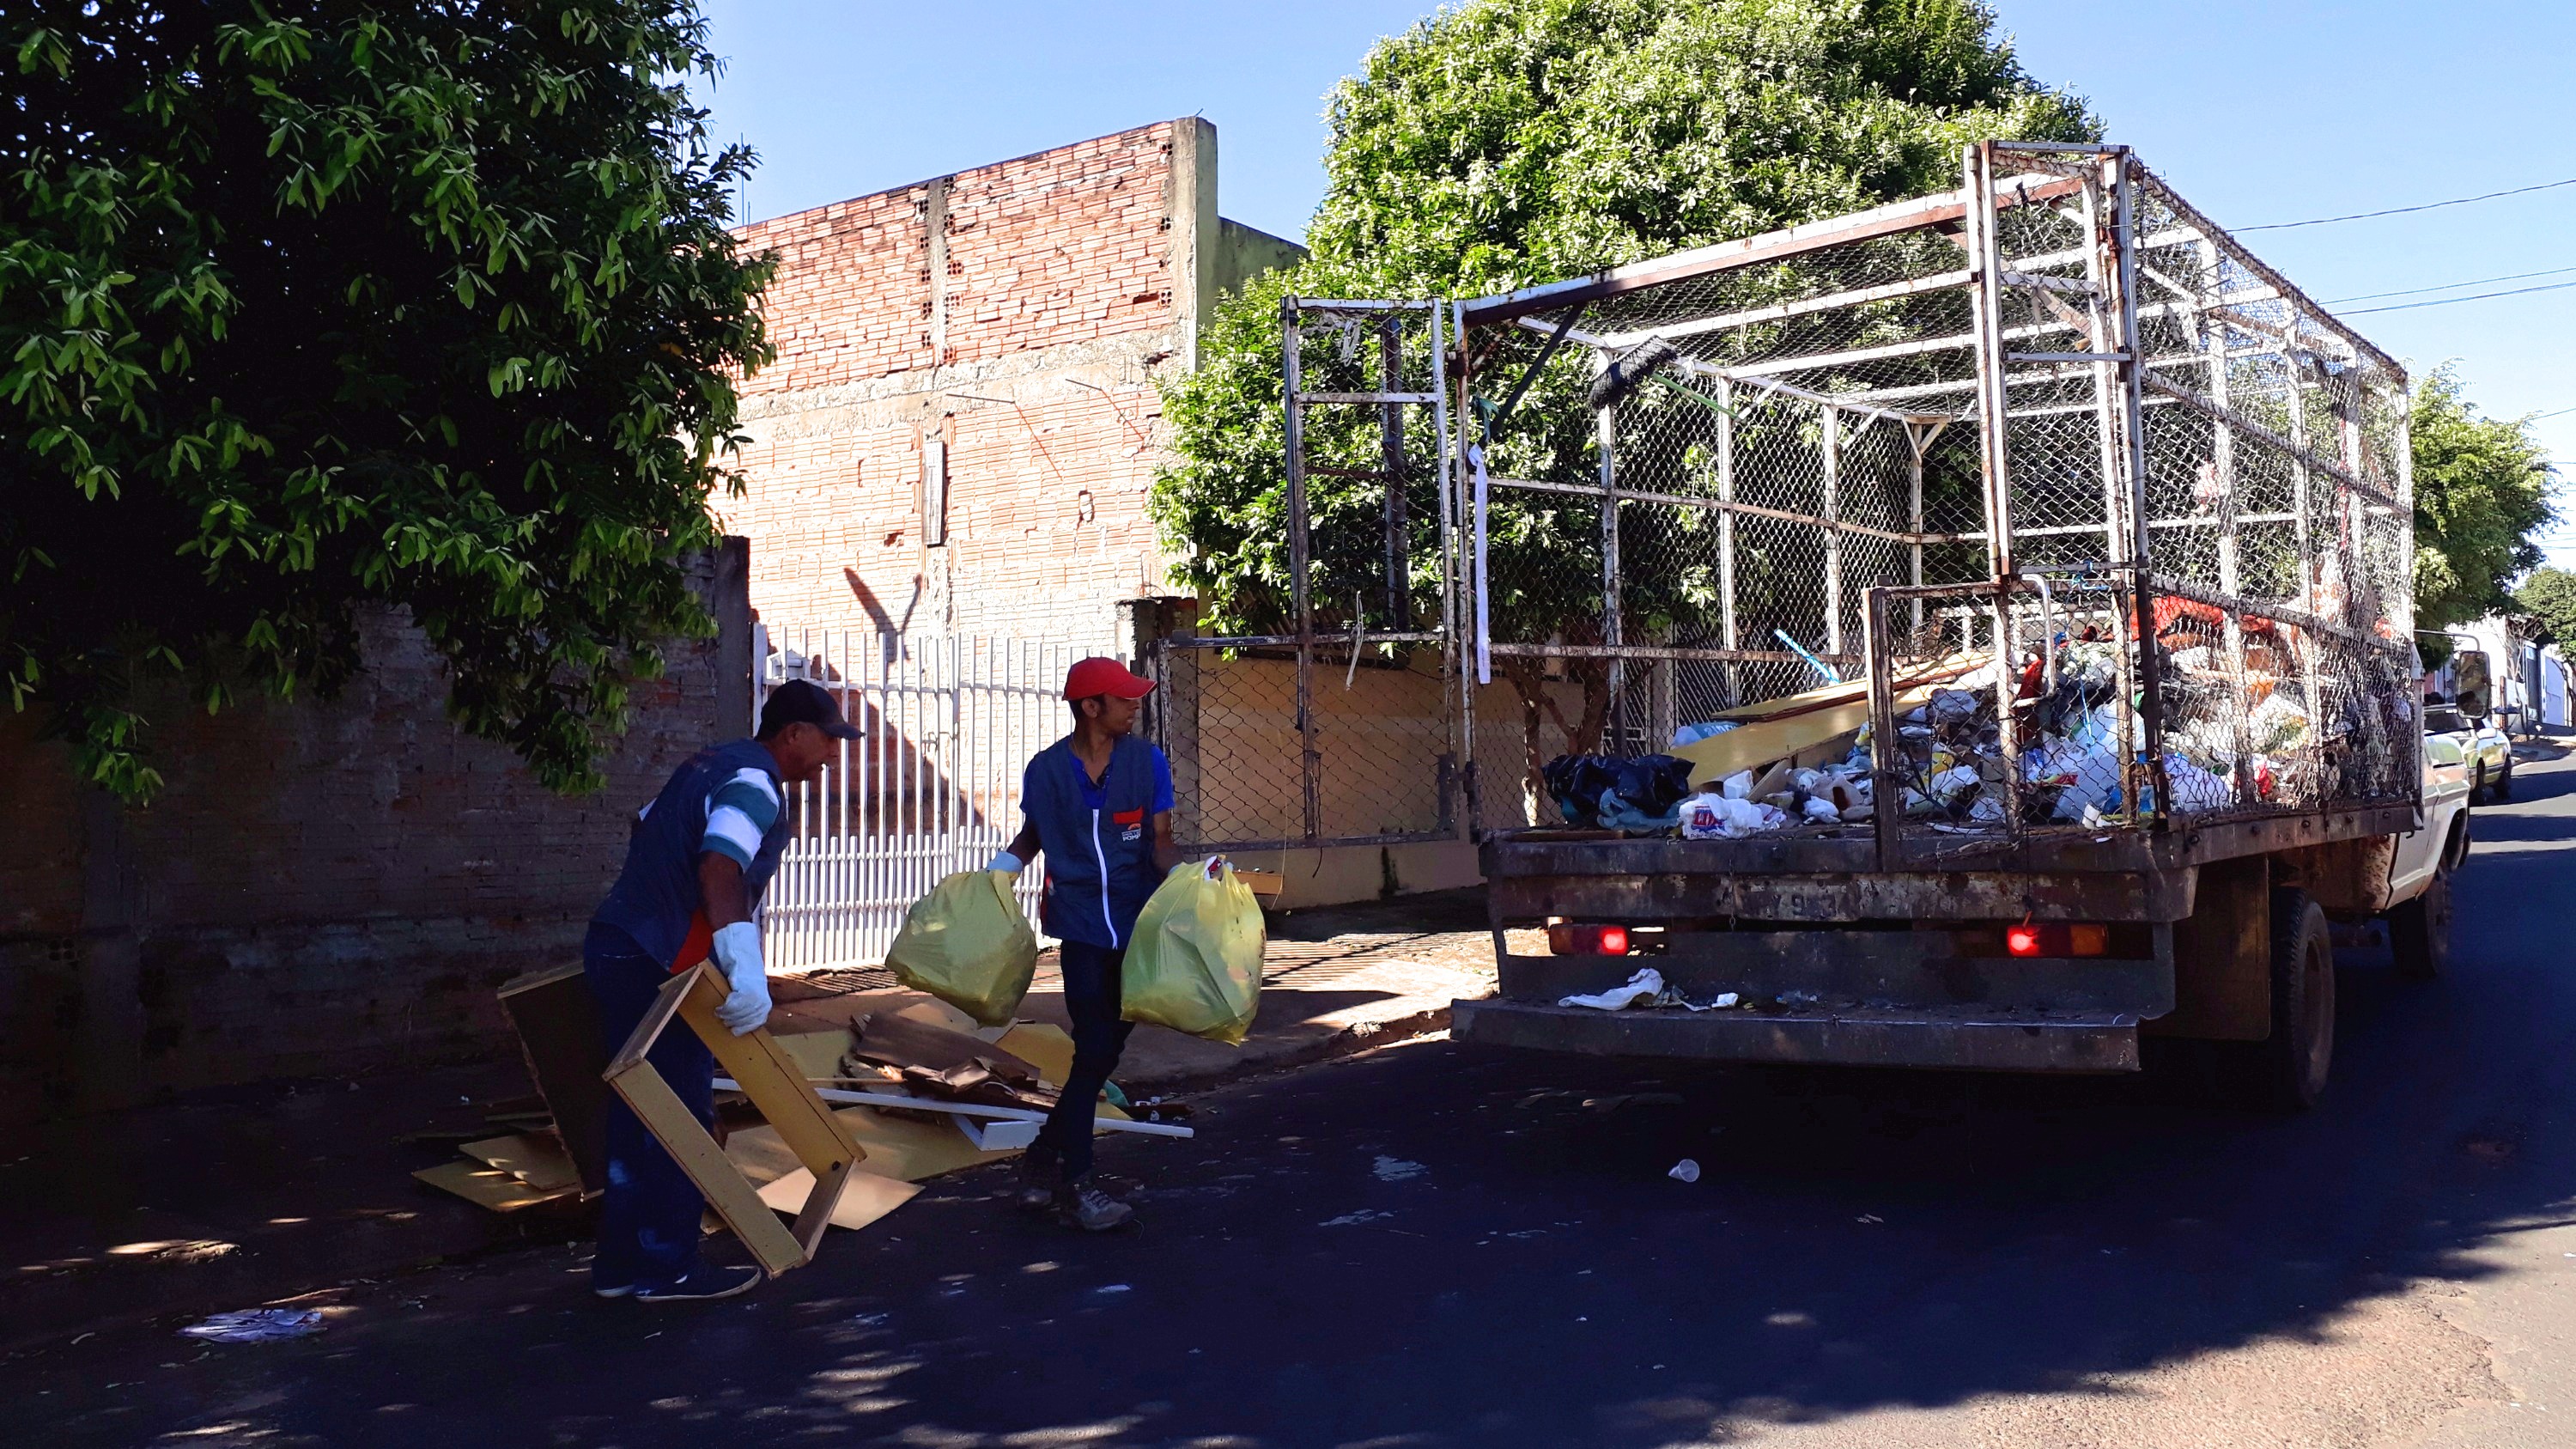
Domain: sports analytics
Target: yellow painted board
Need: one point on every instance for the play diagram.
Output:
(867, 1198)
(1043, 1046)
(910, 1151)
(770, 1077)
(537, 1159)
(931, 1011)
(488, 1186)
(678, 1131)
(1756, 745)
(817, 1053)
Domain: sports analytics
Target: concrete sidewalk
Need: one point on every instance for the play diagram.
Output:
(233, 1198)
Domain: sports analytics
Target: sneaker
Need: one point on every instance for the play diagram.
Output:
(1038, 1174)
(1081, 1204)
(700, 1284)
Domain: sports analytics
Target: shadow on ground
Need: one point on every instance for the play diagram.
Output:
(1434, 1246)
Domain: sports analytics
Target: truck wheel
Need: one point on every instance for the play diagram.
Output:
(2419, 931)
(2286, 1072)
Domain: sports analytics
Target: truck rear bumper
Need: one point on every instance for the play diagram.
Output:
(1961, 1039)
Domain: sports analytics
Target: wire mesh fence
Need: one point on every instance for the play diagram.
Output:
(2141, 506)
(1325, 709)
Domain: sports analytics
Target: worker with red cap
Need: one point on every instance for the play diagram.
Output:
(1099, 806)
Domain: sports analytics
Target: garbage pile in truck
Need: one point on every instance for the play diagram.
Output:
(1807, 760)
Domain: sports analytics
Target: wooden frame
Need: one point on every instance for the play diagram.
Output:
(766, 1074)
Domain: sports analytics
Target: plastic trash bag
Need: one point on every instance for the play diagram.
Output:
(969, 944)
(1194, 964)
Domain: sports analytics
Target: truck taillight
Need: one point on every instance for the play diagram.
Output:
(1574, 940)
(2048, 938)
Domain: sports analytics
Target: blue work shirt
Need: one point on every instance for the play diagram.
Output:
(725, 800)
(1098, 839)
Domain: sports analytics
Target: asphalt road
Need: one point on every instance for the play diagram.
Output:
(1430, 1246)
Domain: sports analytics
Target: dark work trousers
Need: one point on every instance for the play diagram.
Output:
(1091, 998)
(648, 1216)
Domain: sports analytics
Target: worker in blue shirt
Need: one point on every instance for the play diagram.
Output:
(1099, 807)
(699, 857)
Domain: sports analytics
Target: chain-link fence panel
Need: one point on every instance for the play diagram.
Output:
(2146, 505)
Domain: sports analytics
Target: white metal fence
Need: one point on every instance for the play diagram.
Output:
(931, 786)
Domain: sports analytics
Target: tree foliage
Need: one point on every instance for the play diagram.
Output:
(2481, 493)
(305, 306)
(1510, 142)
(2549, 597)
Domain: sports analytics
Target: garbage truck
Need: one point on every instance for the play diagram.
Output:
(1972, 633)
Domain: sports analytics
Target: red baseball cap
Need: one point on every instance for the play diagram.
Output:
(1090, 678)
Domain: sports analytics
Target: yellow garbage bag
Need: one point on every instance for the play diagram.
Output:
(1194, 963)
(969, 944)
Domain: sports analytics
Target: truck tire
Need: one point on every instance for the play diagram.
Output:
(2419, 931)
(2286, 1072)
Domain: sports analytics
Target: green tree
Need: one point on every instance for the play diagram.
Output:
(2549, 596)
(1510, 142)
(305, 306)
(2482, 491)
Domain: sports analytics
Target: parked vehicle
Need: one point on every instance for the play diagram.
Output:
(2140, 723)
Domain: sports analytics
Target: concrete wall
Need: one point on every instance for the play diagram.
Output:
(1012, 320)
(323, 886)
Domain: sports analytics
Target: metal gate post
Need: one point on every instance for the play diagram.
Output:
(1986, 291)
(1309, 760)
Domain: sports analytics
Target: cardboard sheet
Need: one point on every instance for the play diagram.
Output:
(864, 1199)
(535, 1158)
(492, 1188)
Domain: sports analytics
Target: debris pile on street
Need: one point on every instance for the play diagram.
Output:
(920, 1086)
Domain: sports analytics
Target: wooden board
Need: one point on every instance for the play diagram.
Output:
(672, 1124)
(911, 1151)
(1044, 1046)
(864, 1199)
(489, 1187)
(772, 1079)
(558, 1026)
(769, 1077)
(817, 1054)
(903, 1041)
(535, 1158)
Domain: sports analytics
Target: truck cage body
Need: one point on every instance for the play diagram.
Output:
(2112, 521)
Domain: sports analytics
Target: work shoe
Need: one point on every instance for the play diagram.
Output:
(700, 1284)
(1081, 1204)
(1039, 1172)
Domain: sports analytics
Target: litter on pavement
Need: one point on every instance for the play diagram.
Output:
(257, 1325)
(1686, 1170)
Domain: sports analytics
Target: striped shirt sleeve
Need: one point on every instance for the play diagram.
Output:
(739, 814)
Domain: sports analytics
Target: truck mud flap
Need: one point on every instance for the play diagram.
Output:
(1967, 1041)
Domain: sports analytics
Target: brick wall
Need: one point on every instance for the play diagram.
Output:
(1017, 314)
(321, 886)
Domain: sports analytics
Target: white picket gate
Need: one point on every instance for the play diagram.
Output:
(932, 786)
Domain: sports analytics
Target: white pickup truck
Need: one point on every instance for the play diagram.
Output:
(2419, 870)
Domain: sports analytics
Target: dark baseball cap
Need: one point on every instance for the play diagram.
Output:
(802, 701)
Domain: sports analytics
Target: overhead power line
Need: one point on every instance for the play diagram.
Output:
(2447, 301)
(2448, 286)
(2402, 210)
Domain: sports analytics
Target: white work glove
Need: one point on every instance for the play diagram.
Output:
(738, 956)
(1004, 860)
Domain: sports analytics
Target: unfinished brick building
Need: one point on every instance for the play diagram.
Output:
(961, 427)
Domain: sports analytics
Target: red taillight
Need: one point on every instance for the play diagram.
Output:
(2022, 940)
(2049, 938)
(1572, 940)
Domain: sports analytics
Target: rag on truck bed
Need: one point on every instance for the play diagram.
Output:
(2023, 573)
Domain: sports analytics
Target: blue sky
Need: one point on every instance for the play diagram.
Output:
(2260, 111)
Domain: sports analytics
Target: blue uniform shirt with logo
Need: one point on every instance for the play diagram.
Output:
(725, 800)
(1098, 839)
